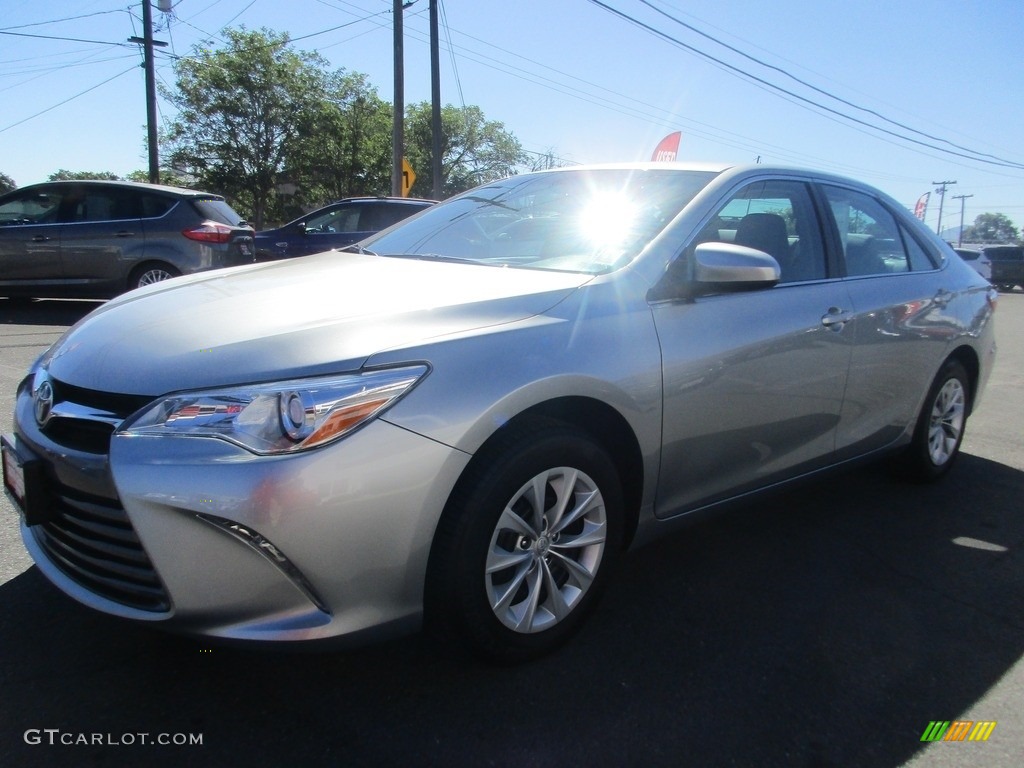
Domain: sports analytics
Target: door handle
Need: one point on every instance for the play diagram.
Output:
(125, 234)
(835, 319)
(40, 239)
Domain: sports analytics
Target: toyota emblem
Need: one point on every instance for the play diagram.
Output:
(42, 402)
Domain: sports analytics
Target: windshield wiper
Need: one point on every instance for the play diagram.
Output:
(488, 201)
(357, 248)
(435, 257)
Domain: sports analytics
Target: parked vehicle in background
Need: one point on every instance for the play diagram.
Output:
(97, 239)
(1007, 265)
(977, 260)
(468, 420)
(334, 226)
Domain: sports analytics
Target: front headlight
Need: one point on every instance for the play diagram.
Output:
(280, 417)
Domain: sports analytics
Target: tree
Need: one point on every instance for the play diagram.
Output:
(167, 177)
(474, 150)
(243, 113)
(351, 154)
(6, 184)
(63, 175)
(991, 228)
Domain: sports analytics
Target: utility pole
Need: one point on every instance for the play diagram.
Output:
(961, 198)
(147, 43)
(435, 104)
(398, 118)
(942, 199)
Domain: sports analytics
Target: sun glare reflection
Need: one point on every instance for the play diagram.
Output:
(607, 219)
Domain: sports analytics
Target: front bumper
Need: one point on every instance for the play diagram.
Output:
(320, 544)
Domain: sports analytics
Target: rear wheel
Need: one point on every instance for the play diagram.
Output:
(148, 274)
(940, 426)
(526, 543)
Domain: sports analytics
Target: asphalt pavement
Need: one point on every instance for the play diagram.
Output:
(824, 626)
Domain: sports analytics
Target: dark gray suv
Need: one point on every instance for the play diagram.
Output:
(100, 238)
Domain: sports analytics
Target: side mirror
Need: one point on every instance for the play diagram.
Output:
(716, 268)
(300, 228)
(731, 267)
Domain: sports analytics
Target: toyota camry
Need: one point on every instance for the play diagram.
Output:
(465, 420)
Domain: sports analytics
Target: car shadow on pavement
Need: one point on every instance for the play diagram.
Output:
(826, 626)
(45, 311)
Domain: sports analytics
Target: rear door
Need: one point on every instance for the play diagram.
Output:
(102, 237)
(754, 381)
(899, 298)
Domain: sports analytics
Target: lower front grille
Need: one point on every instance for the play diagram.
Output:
(92, 541)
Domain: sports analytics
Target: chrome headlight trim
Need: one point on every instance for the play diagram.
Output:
(277, 417)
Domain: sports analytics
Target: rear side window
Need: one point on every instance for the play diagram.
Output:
(155, 206)
(100, 204)
(920, 261)
(216, 209)
(873, 242)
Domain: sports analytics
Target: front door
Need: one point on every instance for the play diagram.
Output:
(754, 381)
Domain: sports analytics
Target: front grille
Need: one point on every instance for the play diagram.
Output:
(92, 541)
(80, 434)
(85, 419)
(121, 405)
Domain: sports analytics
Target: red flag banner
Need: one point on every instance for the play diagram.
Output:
(666, 151)
(922, 205)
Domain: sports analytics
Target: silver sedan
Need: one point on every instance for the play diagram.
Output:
(466, 419)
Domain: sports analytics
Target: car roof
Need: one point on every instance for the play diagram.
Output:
(379, 198)
(735, 170)
(138, 185)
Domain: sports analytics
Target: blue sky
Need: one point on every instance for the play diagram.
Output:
(581, 81)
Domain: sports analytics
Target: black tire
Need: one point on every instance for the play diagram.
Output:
(149, 273)
(494, 540)
(940, 426)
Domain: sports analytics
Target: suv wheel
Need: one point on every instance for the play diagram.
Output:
(148, 274)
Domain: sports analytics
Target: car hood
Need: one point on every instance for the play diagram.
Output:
(325, 313)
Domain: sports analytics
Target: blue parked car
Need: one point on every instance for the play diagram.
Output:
(334, 226)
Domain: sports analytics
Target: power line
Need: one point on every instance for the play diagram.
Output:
(58, 21)
(65, 101)
(815, 88)
(67, 39)
(806, 101)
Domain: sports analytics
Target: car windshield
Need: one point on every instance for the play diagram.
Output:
(577, 221)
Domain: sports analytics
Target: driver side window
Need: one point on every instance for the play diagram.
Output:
(778, 218)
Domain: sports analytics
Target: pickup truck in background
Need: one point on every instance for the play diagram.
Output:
(1007, 265)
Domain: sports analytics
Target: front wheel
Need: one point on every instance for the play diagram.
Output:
(526, 543)
(940, 426)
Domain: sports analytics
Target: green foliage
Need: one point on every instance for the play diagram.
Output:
(474, 150)
(348, 151)
(63, 175)
(6, 183)
(991, 228)
(243, 112)
(167, 178)
(276, 133)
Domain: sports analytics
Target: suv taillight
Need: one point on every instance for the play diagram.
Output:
(209, 232)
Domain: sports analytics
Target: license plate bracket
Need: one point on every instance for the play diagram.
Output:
(25, 481)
